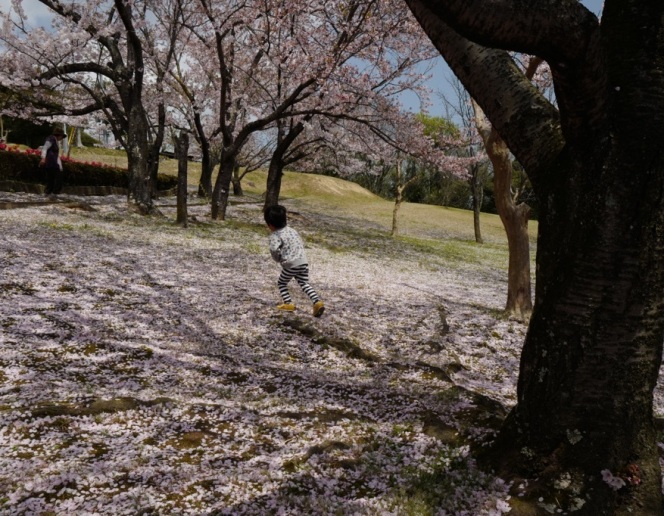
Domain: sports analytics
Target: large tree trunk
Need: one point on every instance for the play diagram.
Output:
(205, 183)
(593, 351)
(515, 221)
(140, 180)
(222, 186)
(273, 188)
(276, 168)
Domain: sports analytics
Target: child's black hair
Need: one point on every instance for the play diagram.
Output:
(276, 216)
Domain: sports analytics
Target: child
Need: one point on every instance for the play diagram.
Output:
(287, 248)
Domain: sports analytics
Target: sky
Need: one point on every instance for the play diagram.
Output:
(440, 81)
(442, 75)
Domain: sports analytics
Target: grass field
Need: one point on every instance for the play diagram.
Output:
(349, 199)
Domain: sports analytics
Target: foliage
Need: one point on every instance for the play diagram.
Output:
(26, 132)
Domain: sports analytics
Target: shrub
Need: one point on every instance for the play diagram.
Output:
(23, 166)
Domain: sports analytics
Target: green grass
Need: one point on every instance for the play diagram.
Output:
(445, 230)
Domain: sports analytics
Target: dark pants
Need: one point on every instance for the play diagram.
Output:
(54, 180)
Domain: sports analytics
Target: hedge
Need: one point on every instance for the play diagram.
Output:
(23, 166)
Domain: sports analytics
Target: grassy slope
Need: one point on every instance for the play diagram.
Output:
(349, 200)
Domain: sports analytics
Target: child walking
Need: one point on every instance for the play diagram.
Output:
(287, 248)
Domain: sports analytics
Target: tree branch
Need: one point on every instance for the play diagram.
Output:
(525, 119)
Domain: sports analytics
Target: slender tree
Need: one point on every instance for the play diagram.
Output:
(181, 144)
(461, 106)
(582, 431)
(514, 218)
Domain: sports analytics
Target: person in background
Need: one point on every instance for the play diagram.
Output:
(287, 249)
(50, 161)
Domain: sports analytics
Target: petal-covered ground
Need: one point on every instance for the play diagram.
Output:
(144, 369)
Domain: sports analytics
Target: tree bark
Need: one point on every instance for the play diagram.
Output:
(205, 183)
(207, 160)
(182, 150)
(274, 174)
(593, 350)
(276, 168)
(515, 221)
(222, 187)
(478, 195)
(398, 198)
(237, 181)
(140, 179)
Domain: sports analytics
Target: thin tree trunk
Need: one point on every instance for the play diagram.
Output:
(182, 150)
(155, 148)
(478, 194)
(398, 199)
(514, 218)
(207, 162)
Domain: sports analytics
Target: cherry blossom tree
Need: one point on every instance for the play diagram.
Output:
(279, 63)
(98, 57)
(430, 141)
(394, 140)
(377, 50)
(582, 431)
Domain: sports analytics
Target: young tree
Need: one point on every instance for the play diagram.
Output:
(398, 142)
(513, 216)
(583, 424)
(462, 108)
(428, 139)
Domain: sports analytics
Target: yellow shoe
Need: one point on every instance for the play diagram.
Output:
(286, 307)
(319, 308)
